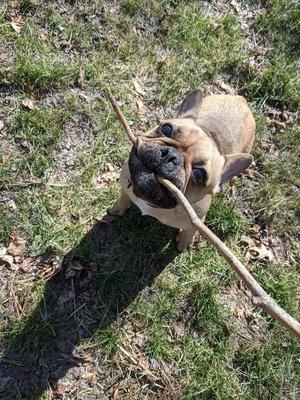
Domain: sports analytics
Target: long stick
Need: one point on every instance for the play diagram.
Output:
(113, 102)
(261, 298)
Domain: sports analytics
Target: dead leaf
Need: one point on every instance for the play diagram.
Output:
(179, 332)
(16, 246)
(65, 296)
(143, 363)
(255, 229)
(105, 178)
(11, 205)
(261, 253)
(236, 6)
(276, 124)
(139, 340)
(252, 174)
(140, 107)
(58, 389)
(138, 86)
(8, 262)
(26, 264)
(16, 27)
(28, 104)
(216, 26)
(248, 242)
(18, 259)
(48, 271)
(81, 78)
(73, 268)
(94, 379)
(1, 124)
(43, 37)
(222, 85)
(3, 251)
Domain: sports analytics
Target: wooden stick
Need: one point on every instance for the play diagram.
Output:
(122, 119)
(261, 298)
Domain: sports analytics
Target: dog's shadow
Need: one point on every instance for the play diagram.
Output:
(115, 262)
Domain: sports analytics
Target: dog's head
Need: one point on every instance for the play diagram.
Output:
(180, 151)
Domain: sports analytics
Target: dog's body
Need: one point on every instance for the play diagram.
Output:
(206, 145)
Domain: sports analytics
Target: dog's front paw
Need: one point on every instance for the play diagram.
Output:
(121, 206)
(185, 239)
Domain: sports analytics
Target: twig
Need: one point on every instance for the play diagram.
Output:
(11, 186)
(8, 186)
(130, 134)
(261, 298)
(13, 362)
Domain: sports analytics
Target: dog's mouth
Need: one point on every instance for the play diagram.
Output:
(146, 185)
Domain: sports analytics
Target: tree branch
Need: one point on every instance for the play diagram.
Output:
(122, 119)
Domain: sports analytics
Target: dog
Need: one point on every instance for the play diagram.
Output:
(207, 144)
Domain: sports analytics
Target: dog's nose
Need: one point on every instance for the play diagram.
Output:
(169, 154)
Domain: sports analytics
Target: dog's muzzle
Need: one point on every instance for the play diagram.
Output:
(147, 163)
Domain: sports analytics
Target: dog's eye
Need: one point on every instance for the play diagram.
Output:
(166, 130)
(199, 175)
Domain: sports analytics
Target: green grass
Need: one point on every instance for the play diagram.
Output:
(142, 287)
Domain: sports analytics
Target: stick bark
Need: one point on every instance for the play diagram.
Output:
(122, 119)
(260, 297)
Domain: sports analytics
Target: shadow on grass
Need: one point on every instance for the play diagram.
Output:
(119, 260)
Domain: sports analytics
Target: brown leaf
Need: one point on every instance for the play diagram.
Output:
(222, 85)
(138, 86)
(28, 104)
(26, 264)
(278, 125)
(105, 178)
(248, 241)
(16, 27)
(94, 379)
(11, 205)
(252, 174)
(143, 362)
(8, 261)
(216, 26)
(1, 124)
(16, 246)
(140, 107)
(139, 340)
(179, 331)
(58, 389)
(73, 268)
(261, 253)
(19, 259)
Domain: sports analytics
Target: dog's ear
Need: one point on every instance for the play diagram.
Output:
(234, 165)
(190, 106)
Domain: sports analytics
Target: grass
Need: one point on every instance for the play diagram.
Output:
(172, 310)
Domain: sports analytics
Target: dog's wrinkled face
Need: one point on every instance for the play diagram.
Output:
(180, 151)
(177, 150)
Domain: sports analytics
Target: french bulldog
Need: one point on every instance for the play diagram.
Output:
(206, 145)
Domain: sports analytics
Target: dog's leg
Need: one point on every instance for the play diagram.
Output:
(121, 205)
(185, 238)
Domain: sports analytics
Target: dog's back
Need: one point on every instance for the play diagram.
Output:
(229, 121)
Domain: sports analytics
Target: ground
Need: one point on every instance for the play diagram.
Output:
(96, 308)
